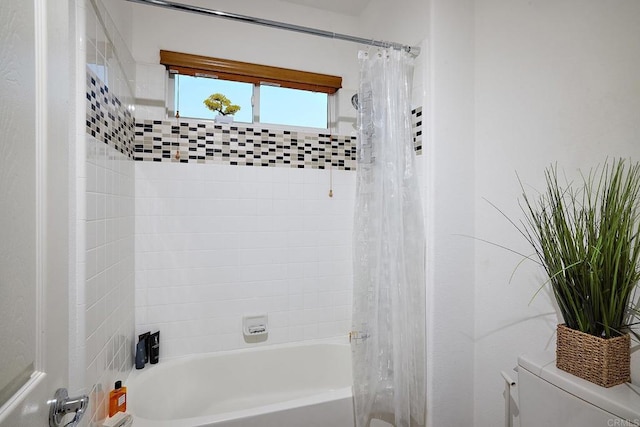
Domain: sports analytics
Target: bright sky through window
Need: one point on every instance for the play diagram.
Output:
(194, 90)
(293, 107)
(278, 105)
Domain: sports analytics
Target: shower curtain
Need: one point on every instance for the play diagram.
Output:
(388, 335)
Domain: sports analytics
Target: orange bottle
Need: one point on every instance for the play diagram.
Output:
(117, 399)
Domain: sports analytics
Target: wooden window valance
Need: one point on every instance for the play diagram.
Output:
(205, 66)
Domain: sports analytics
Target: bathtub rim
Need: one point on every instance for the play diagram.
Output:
(341, 340)
(204, 420)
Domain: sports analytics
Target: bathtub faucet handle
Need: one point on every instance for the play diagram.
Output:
(62, 404)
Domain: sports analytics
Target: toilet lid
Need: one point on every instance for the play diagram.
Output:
(622, 400)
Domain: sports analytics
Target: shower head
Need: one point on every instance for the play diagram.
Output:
(354, 101)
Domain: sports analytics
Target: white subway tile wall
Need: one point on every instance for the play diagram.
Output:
(109, 291)
(107, 53)
(216, 242)
(105, 231)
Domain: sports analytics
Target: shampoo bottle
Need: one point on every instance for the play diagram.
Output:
(147, 350)
(117, 399)
(141, 354)
(154, 352)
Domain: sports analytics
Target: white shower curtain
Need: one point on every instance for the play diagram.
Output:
(388, 338)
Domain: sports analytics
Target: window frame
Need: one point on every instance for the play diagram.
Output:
(225, 69)
(256, 74)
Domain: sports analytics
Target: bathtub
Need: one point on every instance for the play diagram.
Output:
(292, 385)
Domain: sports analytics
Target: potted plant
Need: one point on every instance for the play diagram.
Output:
(217, 102)
(588, 241)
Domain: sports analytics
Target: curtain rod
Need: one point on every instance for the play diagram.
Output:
(414, 50)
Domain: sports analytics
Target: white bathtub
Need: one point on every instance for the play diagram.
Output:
(291, 385)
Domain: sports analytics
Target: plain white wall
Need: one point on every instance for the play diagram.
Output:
(450, 211)
(158, 28)
(555, 82)
(407, 22)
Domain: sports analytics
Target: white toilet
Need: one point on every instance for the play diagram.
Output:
(550, 397)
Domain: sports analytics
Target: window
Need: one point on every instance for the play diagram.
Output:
(265, 94)
(190, 91)
(281, 105)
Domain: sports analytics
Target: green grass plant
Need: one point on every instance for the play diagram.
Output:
(587, 238)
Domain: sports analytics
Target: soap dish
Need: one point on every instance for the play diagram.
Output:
(254, 325)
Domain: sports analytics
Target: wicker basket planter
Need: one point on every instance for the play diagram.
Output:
(605, 362)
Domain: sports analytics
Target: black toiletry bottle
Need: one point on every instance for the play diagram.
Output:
(147, 349)
(141, 353)
(154, 354)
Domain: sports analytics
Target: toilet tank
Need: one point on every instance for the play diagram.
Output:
(551, 397)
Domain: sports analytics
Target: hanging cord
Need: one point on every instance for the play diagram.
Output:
(330, 180)
(178, 117)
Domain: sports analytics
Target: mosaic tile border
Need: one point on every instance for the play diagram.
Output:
(206, 142)
(193, 141)
(416, 122)
(106, 118)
